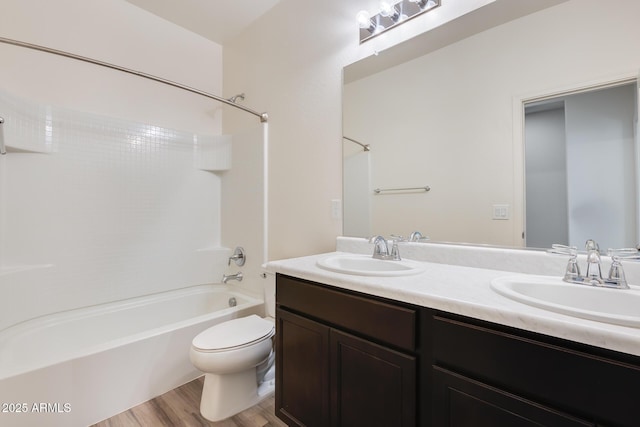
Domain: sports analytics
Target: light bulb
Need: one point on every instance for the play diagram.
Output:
(385, 8)
(364, 20)
(389, 11)
(424, 4)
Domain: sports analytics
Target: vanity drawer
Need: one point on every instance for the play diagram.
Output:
(371, 317)
(573, 377)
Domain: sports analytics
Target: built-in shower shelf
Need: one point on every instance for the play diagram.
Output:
(214, 155)
(36, 150)
(213, 169)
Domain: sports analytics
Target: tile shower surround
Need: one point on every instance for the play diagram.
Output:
(96, 209)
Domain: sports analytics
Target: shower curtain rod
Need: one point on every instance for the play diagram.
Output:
(263, 116)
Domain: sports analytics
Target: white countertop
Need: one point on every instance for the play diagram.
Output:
(466, 291)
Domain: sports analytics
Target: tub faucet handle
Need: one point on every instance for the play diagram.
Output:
(238, 257)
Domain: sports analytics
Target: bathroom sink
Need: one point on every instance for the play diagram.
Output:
(366, 265)
(617, 306)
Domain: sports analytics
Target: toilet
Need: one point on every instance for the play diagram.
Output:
(238, 361)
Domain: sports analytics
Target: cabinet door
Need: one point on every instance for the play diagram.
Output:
(462, 402)
(302, 370)
(371, 385)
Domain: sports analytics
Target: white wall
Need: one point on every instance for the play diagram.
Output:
(116, 32)
(115, 211)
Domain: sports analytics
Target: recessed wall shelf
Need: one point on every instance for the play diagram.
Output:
(213, 154)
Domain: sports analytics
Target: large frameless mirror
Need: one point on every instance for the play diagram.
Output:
(456, 120)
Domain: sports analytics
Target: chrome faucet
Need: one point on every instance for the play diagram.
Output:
(594, 274)
(381, 249)
(226, 278)
(593, 277)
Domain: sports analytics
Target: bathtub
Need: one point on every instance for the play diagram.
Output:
(82, 366)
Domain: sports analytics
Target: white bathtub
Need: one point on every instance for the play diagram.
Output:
(79, 367)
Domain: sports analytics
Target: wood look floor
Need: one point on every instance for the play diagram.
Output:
(181, 408)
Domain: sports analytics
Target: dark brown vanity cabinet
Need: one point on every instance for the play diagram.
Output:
(461, 401)
(485, 374)
(348, 359)
(343, 359)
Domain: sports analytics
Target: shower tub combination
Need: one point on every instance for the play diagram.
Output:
(79, 367)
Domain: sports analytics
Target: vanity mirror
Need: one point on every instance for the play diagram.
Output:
(454, 120)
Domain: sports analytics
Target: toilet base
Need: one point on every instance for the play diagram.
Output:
(226, 395)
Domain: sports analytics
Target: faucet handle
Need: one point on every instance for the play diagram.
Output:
(624, 253)
(417, 236)
(238, 257)
(572, 272)
(559, 249)
(616, 272)
(395, 252)
(376, 239)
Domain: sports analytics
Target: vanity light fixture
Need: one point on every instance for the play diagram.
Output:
(390, 15)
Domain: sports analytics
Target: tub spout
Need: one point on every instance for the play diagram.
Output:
(226, 278)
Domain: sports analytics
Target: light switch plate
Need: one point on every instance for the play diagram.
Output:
(500, 212)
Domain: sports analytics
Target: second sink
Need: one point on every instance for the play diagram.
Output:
(621, 307)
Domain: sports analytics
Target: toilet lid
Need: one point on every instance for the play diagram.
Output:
(233, 333)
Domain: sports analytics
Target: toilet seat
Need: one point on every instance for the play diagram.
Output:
(234, 334)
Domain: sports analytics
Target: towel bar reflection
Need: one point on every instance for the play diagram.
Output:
(380, 190)
(3, 149)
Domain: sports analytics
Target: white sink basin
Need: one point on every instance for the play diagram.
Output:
(617, 306)
(366, 265)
